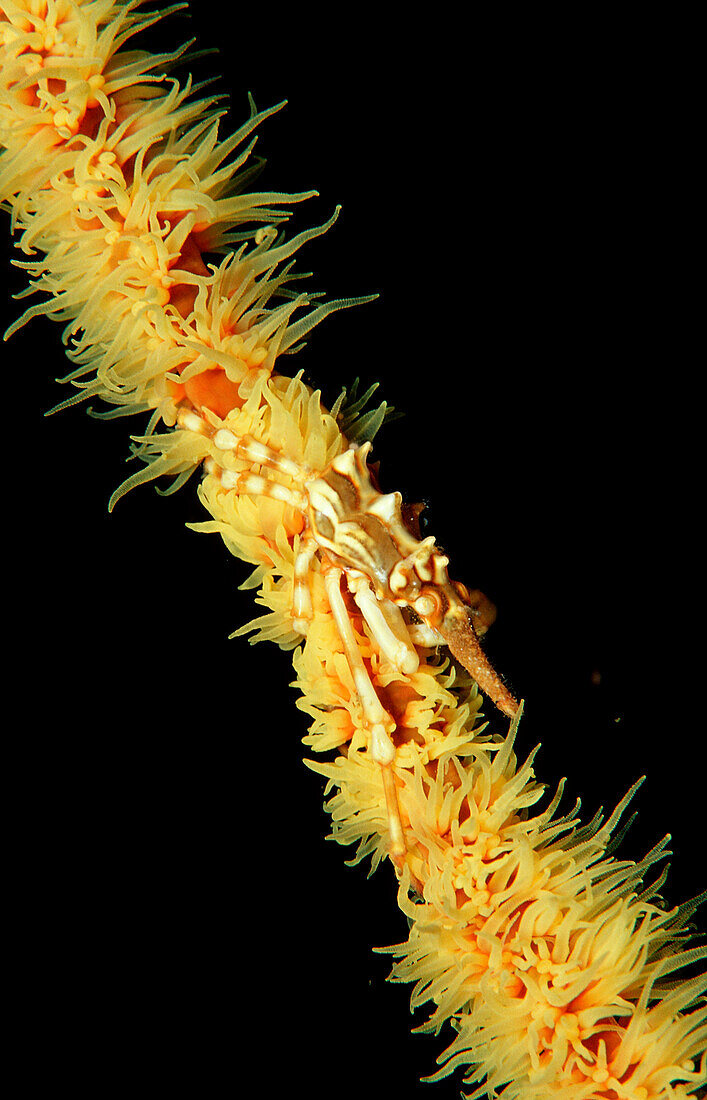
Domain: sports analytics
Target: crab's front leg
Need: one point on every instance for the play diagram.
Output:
(386, 623)
(379, 723)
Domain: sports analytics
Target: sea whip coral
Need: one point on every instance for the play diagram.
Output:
(553, 962)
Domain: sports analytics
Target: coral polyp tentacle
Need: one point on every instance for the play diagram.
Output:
(178, 296)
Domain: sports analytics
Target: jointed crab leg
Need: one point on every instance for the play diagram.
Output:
(257, 485)
(380, 724)
(386, 623)
(244, 446)
(247, 481)
(301, 595)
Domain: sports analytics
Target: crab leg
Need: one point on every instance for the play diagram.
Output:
(243, 446)
(259, 454)
(380, 724)
(421, 634)
(246, 481)
(386, 623)
(301, 596)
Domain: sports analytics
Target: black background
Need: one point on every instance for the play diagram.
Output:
(522, 199)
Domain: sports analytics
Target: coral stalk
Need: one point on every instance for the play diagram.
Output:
(556, 963)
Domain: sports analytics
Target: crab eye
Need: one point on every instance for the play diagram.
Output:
(429, 606)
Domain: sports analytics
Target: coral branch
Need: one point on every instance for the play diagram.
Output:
(557, 966)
